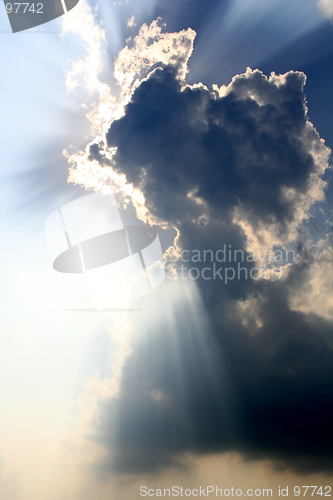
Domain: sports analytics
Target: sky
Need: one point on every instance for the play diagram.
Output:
(208, 124)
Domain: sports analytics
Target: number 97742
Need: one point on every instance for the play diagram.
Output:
(24, 8)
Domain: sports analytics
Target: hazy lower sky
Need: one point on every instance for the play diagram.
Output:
(211, 123)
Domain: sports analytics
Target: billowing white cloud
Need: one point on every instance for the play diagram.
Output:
(152, 45)
(82, 22)
(314, 294)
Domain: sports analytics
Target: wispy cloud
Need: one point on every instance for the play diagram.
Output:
(326, 7)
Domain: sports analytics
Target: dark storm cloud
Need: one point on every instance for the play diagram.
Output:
(258, 382)
(230, 151)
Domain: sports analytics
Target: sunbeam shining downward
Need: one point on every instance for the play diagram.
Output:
(249, 32)
(129, 427)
